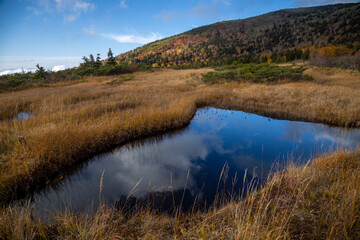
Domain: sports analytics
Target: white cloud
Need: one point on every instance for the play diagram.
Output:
(73, 5)
(11, 65)
(74, 8)
(58, 68)
(70, 18)
(70, 9)
(18, 70)
(90, 30)
(123, 38)
(306, 3)
(44, 3)
(123, 4)
(226, 2)
(83, 6)
(133, 38)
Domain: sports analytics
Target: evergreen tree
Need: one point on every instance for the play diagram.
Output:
(111, 60)
(40, 72)
(91, 60)
(86, 62)
(98, 61)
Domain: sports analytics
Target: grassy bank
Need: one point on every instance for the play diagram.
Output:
(74, 121)
(319, 200)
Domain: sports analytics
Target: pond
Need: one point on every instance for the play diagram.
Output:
(183, 167)
(24, 116)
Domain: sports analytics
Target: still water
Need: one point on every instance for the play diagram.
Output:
(186, 164)
(24, 116)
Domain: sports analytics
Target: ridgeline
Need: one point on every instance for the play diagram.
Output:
(279, 36)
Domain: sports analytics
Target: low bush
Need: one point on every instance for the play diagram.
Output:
(19, 81)
(105, 70)
(263, 72)
(14, 80)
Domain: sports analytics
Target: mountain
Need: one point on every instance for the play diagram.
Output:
(285, 35)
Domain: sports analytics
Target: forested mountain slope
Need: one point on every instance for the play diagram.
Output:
(277, 36)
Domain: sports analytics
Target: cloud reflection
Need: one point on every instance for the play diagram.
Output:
(154, 162)
(333, 136)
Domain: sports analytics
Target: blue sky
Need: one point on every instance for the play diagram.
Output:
(59, 32)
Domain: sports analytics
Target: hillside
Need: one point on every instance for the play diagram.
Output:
(282, 35)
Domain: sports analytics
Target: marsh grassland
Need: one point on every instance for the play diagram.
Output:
(74, 121)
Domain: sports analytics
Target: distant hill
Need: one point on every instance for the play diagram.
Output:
(282, 35)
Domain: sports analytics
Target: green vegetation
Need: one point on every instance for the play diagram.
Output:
(41, 77)
(40, 73)
(111, 60)
(105, 70)
(92, 67)
(264, 73)
(12, 81)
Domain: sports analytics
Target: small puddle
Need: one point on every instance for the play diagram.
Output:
(24, 116)
(162, 167)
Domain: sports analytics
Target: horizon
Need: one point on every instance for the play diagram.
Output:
(58, 33)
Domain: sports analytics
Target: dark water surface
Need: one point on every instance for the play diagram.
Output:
(158, 169)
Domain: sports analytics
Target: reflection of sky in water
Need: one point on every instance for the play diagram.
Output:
(244, 141)
(24, 115)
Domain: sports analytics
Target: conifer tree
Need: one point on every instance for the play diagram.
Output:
(92, 60)
(98, 61)
(40, 73)
(85, 63)
(111, 60)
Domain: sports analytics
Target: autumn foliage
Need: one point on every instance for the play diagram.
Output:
(280, 36)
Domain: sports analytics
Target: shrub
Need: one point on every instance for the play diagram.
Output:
(263, 72)
(106, 70)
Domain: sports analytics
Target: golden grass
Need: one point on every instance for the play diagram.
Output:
(319, 200)
(73, 122)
